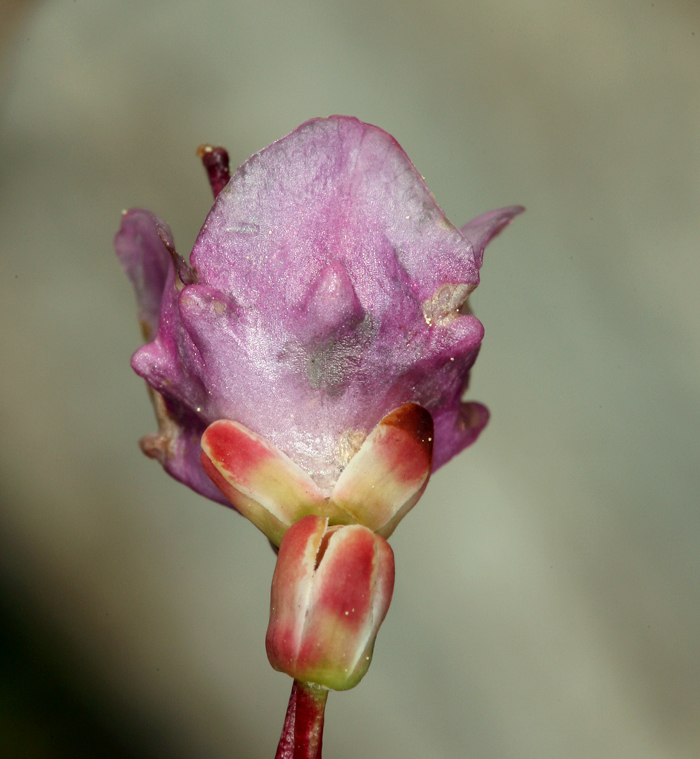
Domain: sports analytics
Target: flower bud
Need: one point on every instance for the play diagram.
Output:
(331, 590)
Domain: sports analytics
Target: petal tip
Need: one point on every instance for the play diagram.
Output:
(481, 230)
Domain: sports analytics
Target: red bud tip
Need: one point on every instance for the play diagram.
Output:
(216, 164)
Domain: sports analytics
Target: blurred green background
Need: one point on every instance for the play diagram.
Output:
(548, 584)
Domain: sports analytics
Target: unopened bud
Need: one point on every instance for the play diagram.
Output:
(330, 593)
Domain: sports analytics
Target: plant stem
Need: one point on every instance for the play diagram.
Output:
(302, 734)
(215, 162)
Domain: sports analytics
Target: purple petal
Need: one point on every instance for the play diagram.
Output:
(456, 428)
(484, 228)
(141, 247)
(146, 261)
(176, 446)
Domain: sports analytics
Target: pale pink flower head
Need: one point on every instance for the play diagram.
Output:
(326, 290)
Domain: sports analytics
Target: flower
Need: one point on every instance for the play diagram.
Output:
(330, 593)
(325, 290)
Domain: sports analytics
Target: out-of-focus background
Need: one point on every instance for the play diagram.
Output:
(547, 601)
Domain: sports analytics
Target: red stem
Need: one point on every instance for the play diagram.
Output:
(302, 734)
(215, 162)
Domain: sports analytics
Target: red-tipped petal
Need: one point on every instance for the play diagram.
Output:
(253, 511)
(387, 476)
(263, 483)
(291, 587)
(350, 597)
(260, 471)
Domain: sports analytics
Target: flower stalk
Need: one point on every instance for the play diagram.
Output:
(302, 734)
(216, 164)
